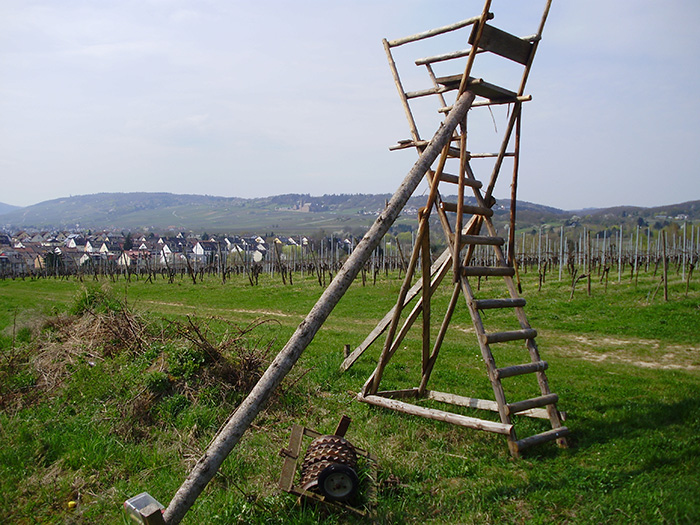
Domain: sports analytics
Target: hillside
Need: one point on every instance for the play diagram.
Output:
(7, 208)
(291, 213)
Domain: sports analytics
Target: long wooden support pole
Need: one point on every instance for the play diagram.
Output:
(240, 420)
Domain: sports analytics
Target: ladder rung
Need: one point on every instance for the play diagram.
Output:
(481, 239)
(466, 208)
(480, 103)
(426, 92)
(495, 271)
(486, 304)
(550, 435)
(490, 155)
(518, 370)
(404, 144)
(515, 335)
(454, 179)
(521, 406)
(478, 87)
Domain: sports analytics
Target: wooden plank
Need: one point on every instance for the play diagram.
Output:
(517, 370)
(503, 44)
(492, 271)
(481, 239)
(291, 455)
(550, 435)
(515, 335)
(438, 415)
(487, 304)
(466, 208)
(343, 425)
(536, 402)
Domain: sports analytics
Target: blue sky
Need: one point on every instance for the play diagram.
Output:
(261, 98)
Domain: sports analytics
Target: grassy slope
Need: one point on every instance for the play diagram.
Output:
(635, 456)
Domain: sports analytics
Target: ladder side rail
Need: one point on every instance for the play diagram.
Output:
(489, 360)
(427, 293)
(536, 39)
(531, 345)
(460, 198)
(514, 190)
(402, 94)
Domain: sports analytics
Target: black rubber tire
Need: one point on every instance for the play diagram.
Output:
(338, 482)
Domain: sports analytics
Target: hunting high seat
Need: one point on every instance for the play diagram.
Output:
(475, 249)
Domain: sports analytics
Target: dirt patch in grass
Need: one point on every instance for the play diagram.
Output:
(221, 311)
(644, 353)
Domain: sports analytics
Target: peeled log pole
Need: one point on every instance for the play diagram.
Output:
(240, 420)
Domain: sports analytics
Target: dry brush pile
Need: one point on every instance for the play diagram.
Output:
(182, 362)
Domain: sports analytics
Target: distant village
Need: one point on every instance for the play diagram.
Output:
(35, 253)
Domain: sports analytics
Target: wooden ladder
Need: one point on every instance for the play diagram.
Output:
(466, 226)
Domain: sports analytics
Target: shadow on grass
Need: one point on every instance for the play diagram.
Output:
(636, 419)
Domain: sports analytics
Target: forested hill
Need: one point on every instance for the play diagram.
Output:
(7, 208)
(291, 213)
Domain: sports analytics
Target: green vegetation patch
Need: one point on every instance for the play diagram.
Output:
(102, 398)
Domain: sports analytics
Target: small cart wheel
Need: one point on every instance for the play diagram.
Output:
(338, 482)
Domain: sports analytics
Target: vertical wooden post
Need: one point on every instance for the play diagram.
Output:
(561, 252)
(588, 282)
(425, 277)
(619, 258)
(665, 269)
(514, 190)
(207, 466)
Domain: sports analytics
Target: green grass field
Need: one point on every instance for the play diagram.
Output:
(86, 419)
